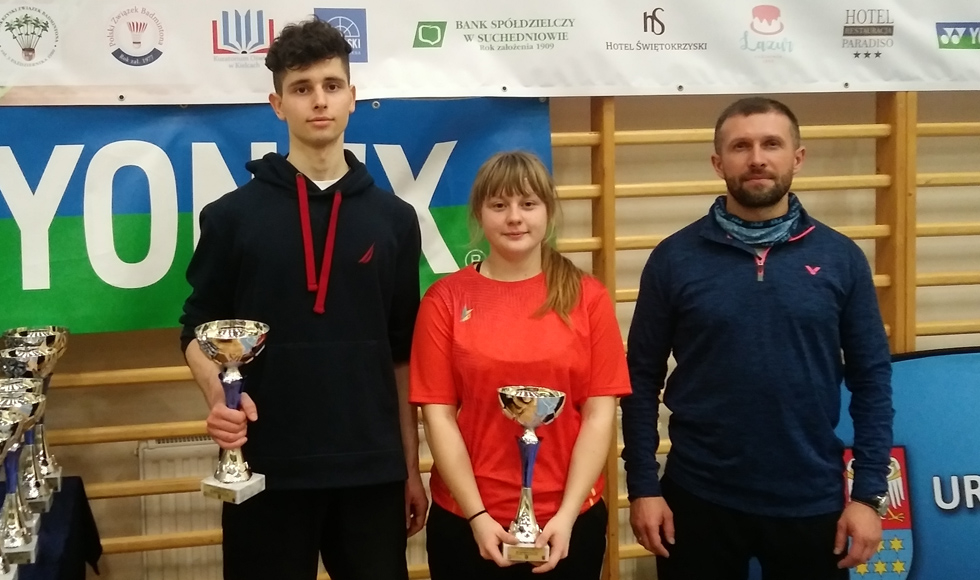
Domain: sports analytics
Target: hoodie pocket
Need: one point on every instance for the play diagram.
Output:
(324, 399)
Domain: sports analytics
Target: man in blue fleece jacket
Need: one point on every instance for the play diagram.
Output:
(766, 311)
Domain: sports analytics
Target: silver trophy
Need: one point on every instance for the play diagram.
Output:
(232, 343)
(56, 339)
(10, 428)
(35, 490)
(18, 525)
(531, 407)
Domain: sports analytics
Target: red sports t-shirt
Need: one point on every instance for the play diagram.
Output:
(475, 335)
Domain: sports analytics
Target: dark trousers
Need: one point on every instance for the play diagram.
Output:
(359, 532)
(454, 555)
(716, 543)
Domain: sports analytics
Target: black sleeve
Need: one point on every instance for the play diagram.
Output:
(406, 294)
(211, 274)
(648, 348)
(868, 375)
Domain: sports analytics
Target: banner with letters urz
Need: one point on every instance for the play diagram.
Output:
(99, 205)
(934, 470)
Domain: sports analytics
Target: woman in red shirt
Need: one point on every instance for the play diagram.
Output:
(524, 316)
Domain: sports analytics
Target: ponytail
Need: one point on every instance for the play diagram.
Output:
(563, 279)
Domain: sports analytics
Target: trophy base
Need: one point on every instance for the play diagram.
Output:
(12, 575)
(26, 554)
(41, 505)
(33, 523)
(235, 493)
(54, 480)
(526, 553)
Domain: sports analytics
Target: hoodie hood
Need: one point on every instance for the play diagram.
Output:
(277, 171)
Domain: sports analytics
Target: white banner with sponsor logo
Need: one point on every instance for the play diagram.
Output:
(209, 51)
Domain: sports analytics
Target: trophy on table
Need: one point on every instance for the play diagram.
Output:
(232, 343)
(10, 426)
(18, 525)
(56, 339)
(35, 491)
(531, 407)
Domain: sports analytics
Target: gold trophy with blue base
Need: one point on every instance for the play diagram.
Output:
(531, 407)
(232, 343)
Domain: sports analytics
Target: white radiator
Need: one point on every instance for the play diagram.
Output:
(197, 457)
(180, 512)
(183, 512)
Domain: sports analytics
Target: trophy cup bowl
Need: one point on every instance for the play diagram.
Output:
(34, 353)
(19, 525)
(21, 385)
(28, 361)
(53, 337)
(530, 407)
(231, 344)
(9, 431)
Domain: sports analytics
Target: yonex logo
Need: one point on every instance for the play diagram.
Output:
(958, 35)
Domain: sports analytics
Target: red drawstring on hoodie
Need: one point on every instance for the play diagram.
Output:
(304, 217)
(304, 222)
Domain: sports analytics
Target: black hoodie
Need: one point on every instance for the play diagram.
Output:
(324, 386)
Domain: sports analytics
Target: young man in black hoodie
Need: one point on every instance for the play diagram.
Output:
(329, 261)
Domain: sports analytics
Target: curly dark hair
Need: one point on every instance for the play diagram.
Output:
(302, 44)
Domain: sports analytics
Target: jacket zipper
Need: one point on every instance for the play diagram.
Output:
(760, 265)
(760, 259)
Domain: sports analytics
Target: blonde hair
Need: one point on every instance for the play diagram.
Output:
(520, 173)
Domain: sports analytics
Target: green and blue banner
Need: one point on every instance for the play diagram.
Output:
(99, 205)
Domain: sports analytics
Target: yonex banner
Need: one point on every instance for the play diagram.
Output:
(98, 217)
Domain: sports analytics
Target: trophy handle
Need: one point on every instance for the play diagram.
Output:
(10, 465)
(525, 526)
(232, 467)
(231, 382)
(528, 445)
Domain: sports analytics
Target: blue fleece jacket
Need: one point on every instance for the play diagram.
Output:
(762, 343)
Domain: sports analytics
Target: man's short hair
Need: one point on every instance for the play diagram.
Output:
(305, 43)
(756, 106)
